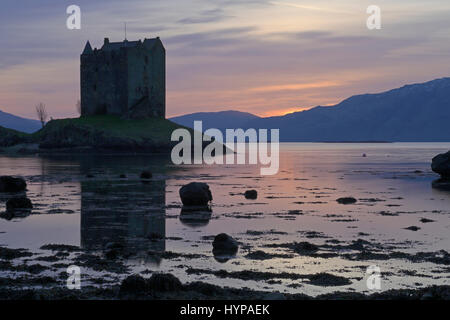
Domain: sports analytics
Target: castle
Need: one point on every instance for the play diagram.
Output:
(125, 78)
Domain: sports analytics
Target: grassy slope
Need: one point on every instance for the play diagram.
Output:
(158, 130)
(10, 137)
(7, 131)
(96, 131)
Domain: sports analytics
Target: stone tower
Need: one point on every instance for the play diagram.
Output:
(126, 78)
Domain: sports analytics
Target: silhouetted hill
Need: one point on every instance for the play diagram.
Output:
(220, 120)
(415, 113)
(419, 112)
(10, 121)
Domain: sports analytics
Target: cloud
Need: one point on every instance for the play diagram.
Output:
(294, 86)
(207, 16)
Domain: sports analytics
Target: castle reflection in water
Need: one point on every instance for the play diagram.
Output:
(129, 213)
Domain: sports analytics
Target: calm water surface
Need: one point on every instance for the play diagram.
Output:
(392, 185)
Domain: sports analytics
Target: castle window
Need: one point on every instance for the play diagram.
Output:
(146, 59)
(95, 87)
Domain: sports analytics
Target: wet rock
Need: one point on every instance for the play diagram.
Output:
(261, 255)
(146, 175)
(14, 214)
(326, 280)
(195, 194)
(19, 203)
(441, 164)
(251, 194)
(224, 244)
(133, 284)
(12, 184)
(10, 254)
(441, 184)
(164, 282)
(346, 200)
(304, 247)
(413, 228)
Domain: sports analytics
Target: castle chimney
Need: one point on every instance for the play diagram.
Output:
(106, 41)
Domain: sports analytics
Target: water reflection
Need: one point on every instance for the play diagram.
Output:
(122, 211)
(195, 217)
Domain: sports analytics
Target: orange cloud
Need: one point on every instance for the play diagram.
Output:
(294, 86)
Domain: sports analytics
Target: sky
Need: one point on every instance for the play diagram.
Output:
(259, 56)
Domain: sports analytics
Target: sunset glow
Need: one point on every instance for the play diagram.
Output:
(265, 57)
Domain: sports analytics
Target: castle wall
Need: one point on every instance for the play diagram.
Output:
(104, 83)
(147, 81)
(129, 81)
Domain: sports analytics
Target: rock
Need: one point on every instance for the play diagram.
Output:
(12, 184)
(133, 284)
(195, 194)
(413, 228)
(224, 244)
(441, 164)
(146, 175)
(325, 280)
(425, 220)
(346, 200)
(305, 247)
(441, 184)
(164, 282)
(251, 194)
(20, 203)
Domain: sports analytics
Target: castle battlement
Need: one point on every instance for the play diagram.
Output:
(125, 78)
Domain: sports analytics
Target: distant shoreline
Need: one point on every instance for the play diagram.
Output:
(355, 141)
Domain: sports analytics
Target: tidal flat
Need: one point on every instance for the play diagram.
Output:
(295, 239)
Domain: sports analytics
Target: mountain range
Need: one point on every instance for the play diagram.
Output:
(11, 121)
(412, 113)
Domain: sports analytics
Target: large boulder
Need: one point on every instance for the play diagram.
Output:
(224, 244)
(195, 194)
(12, 184)
(158, 282)
(251, 194)
(441, 164)
(19, 203)
(133, 284)
(164, 282)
